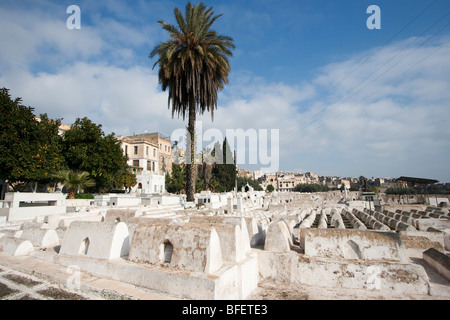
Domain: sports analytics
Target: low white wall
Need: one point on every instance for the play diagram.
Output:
(330, 273)
(124, 201)
(101, 240)
(122, 215)
(15, 246)
(193, 247)
(243, 241)
(278, 237)
(229, 283)
(439, 261)
(29, 213)
(352, 244)
(42, 238)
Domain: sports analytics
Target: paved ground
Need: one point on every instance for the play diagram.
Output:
(16, 285)
(26, 277)
(268, 290)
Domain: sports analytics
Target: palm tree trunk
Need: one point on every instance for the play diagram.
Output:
(190, 167)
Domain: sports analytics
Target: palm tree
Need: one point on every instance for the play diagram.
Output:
(194, 65)
(74, 181)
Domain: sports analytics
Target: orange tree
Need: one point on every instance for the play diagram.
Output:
(30, 149)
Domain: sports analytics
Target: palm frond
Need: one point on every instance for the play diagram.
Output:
(194, 64)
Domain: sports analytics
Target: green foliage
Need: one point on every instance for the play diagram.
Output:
(241, 182)
(84, 196)
(200, 185)
(211, 175)
(224, 171)
(421, 189)
(176, 182)
(88, 149)
(435, 189)
(223, 176)
(310, 188)
(401, 191)
(74, 181)
(30, 150)
(49, 158)
(125, 180)
(270, 188)
(194, 66)
(33, 151)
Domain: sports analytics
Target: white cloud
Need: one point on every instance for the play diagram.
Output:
(123, 100)
(386, 118)
(37, 37)
(380, 120)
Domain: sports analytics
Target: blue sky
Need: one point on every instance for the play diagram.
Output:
(347, 101)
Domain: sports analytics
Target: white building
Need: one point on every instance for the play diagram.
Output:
(143, 159)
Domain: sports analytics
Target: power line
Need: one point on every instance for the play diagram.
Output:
(396, 63)
(411, 67)
(376, 51)
(392, 38)
(320, 114)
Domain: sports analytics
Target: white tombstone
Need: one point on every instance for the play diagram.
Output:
(100, 240)
(278, 237)
(15, 246)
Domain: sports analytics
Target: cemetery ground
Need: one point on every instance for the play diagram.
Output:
(249, 246)
(31, 281)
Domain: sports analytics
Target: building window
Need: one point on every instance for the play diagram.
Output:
(135, 149)
(160, 146)
(154, 152)
(147, 150)
(165, 148)
(135, 163)
(126, 150)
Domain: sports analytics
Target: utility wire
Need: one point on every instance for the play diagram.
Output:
(376, 51)
(396, 63)
(320, 114)
(409, 69)
(393, 37)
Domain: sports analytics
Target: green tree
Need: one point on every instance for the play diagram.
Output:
(49, 158)
(176, 182)
(74, 181)
(311, 188)
(30, 149)
(224, 174)
(270, 188)
(193, 65)
(87, 148)
(241, 182)
(125, 180)
(400, 191)
(18, 139)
